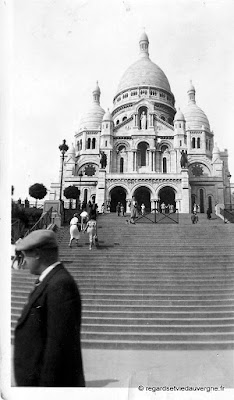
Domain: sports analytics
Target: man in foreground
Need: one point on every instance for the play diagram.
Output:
(47, 335)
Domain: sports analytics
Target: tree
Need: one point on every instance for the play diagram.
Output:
(72, 192)
(37, 191)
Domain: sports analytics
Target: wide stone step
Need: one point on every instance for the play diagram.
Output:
(157, 329)
(155, 272)
(157, 345)
(148, 290)
(122, 281)
(156, 308)
(144, 337)
(164, 287)
(163, 314)
(189, 298)
(87, 301)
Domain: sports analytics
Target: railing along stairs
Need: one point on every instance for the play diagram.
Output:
(228, 213)
(44, 222)
(157, 217)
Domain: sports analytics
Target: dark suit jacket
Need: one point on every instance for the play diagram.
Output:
(47, 335)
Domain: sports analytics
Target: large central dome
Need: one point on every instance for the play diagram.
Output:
(144, 72)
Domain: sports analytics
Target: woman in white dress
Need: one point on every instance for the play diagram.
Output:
(74, 230)
(91, 229)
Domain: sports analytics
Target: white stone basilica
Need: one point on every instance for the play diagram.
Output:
(142, 139)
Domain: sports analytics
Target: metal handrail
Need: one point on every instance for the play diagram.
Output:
(148, 216)
(42, 223)
(228, 215)
(17, 230)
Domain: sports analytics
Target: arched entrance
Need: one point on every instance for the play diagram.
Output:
(118, 194)
(167, 196)
(142, 195)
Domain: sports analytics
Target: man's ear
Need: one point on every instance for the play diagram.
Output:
(37, 254)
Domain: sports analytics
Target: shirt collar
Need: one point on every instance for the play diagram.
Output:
(47, 270)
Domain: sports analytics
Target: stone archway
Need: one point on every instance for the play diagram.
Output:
(142, 195)
(117, 194)
(167, 196)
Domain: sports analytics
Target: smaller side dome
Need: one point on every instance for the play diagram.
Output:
(179, 116)
(216, 149)
(215, 153)
(107, 116)
(194, 116)
(92, 118)
(71, 150)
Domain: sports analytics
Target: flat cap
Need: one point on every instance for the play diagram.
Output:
(42, 238)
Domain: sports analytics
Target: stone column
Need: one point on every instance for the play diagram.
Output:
(153, 204)
(128, 208)
(151, 120)
(135, 126)
(158, 161)
(101, 188)
(134, 160)
(185, 191)
(151, 160)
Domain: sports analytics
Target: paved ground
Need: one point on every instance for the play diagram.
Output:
(124, 368)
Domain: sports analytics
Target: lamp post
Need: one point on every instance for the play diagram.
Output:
(63, 148)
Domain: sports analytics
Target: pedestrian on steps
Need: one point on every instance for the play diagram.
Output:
(84, 219)
(74, 229)
(194, 218)
(92, 207)
(142, 209)
(91, 229)
(118, 209)
(208, 212)
(134, 211)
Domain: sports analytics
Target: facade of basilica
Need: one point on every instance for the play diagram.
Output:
(145, 148)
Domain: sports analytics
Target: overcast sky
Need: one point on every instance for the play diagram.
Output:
(62, 47)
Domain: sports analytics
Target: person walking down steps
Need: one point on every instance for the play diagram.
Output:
(91, 229)
(194, 218)
(74, 230)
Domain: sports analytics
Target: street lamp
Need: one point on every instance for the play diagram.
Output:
(63, 148)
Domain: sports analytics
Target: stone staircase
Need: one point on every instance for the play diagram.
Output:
(150, 286)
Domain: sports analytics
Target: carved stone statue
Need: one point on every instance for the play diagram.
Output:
(184, 159)
(143, 120)
(103, 160)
